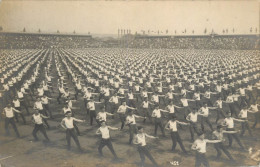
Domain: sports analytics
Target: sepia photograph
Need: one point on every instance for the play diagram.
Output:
(129, 83)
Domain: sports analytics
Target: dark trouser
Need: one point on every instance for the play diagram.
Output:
(122, 119)
(106, 98)
(231, 136)
(21, 114)
(11, 121)
(232, 109)
(40, 127)
(143, 151)
(158, 122)
(113, 108)
(23, 103)
(205, 119)
(244, 127)
(71, 133)
(58, 98)
(46, 108)
(257, 115)
(92, 115)
(132, 131)
(219, 113)
(176, 138)
(146, 114)
(76, 128)
(106, 142)
(219, 147)
(208, 101)
(43, 112)
(201, 159)
(243, 101)
(193, 127)
(131, 103)
(198, 104)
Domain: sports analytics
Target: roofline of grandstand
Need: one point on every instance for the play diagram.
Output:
(200, 36)
(46, 34)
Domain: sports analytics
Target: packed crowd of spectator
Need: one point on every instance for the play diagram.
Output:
(222, 42)
(41, 41)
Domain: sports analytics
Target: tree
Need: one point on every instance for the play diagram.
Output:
(205, 31)
(192, 31)
(175, 32)
(58, 31)
(24, 30)
(39, 31)
(74, 32)
(223, 31)
(1, 28)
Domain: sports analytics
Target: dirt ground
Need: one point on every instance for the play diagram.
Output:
(25, 152)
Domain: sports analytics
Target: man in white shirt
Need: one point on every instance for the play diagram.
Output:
(200, 146)
(193, 119)
(219, 105)
(121, 112)
(219, 135)
(9, 119)
(156, 114)
(37, 119)
(102, 115)
(172, 126)
(140, 141)
(17, 106)
(243, 115)
(68, 125)
(91, 108)
(229, 122)
(254, 108)
(130, 121)
(105, 138)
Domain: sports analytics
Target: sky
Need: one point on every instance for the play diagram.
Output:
(106, 17)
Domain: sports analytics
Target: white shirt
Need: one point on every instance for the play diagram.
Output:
(9, 113)
(145, 104)
(155, 98)
(130, 96)
(38, 105)
(69, 122)
(37, 119)
(171, 108)
(91, 105)
(141, 139)
(201, 145)
(243, 113)
(205, 111)
(173, 125)
(122, 109)
(229, 122)
(156, 113)
(20, 95)
(184, 102)
(104, 132)
(131, 119)
(193, 117)
(114, 99)
(16, 103)
(102, 116)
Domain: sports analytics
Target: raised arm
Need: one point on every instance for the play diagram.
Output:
(112, 128)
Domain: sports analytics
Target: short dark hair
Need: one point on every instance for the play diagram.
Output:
(140, 127)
